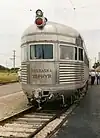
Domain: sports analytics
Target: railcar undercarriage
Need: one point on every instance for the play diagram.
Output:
(38, 100)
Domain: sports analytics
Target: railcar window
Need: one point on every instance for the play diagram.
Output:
(24, 53)
(86, 59)
(68, 52)
(80, 54)
(41, 51)
(75, 53)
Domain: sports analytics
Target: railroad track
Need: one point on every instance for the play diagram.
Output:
(27, 123)
(30, 123)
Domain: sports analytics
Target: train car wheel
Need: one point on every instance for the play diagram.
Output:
(77, 96)
(37, 104)
(85, 88)
(34, 103)
(29, 101)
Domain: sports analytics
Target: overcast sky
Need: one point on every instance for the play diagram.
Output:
(15, 17)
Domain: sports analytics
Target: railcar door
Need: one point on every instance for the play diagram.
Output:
(42, 67)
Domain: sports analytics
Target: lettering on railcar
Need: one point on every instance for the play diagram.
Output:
(40, 70)
(40, 76)
(41, 73)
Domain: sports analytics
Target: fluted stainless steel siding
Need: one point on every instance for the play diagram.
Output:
(24, 74)
(71, 72)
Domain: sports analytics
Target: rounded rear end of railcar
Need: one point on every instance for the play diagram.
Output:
(40, 71)
(38, 68)
(50, 63)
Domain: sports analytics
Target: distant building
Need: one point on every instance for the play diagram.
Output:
(90, 63)
(98, 56)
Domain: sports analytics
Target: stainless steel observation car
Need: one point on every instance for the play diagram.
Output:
(54, 60)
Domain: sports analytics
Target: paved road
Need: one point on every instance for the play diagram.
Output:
(9, 89)
(11, 104)
(85, 119)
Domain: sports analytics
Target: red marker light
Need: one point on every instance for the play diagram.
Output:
(39, 21)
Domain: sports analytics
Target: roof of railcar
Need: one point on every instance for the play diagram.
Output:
(52, 28)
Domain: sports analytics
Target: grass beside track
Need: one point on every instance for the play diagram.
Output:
(6, 77)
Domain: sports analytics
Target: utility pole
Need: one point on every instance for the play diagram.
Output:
(14, 58)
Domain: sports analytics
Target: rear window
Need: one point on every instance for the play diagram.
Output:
(68, 52)
(80, 54)
(41, 51)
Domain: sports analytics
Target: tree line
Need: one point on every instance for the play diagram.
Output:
(5, 69)
(97, 64)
